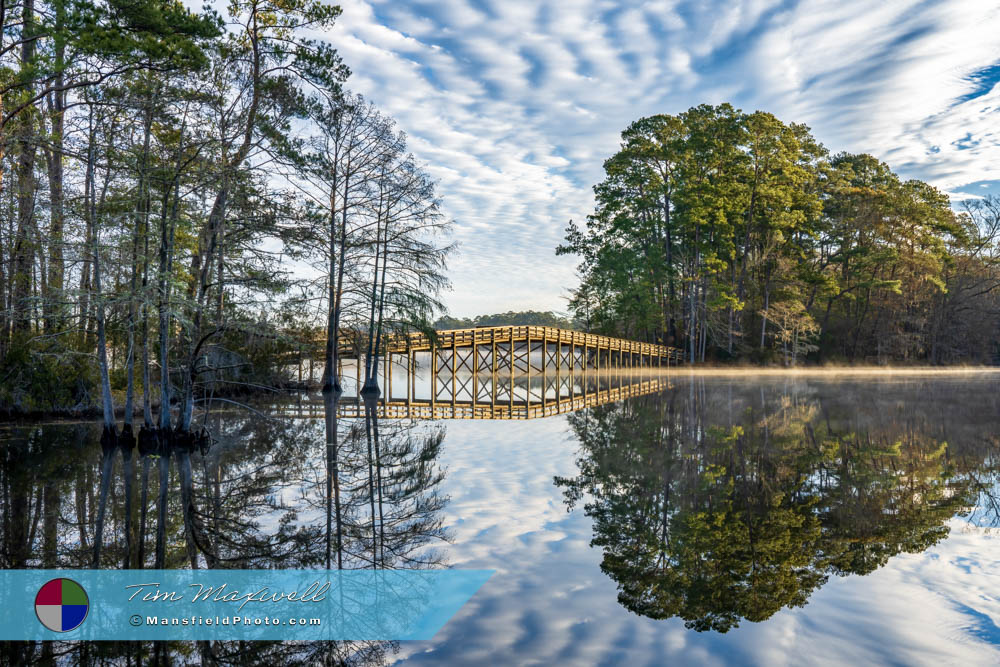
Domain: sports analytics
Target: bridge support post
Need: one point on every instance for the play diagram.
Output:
(597, 366)
(545, 364)
(434, 373)
(527, 389)
(475, 373)
(559, 373)
(495, 386)
(510, 396)
(618, 366)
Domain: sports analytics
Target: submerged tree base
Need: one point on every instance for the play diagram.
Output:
(164, 441)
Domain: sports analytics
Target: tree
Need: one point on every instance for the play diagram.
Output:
(711, 223)
(267, 60)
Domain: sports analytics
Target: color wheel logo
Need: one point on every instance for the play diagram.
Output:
(61, 605)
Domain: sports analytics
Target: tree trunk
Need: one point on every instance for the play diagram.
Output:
(137, 233)
(160, 558)
(52, 500)
(23, 256)
(107, 400)
(763, 323)
(54, 299)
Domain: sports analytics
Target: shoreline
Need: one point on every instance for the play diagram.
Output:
(92, 413)
(13, 415)
(836, 370)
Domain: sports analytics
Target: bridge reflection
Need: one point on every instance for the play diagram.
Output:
(497, 398)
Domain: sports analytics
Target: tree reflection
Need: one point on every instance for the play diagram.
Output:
(718, 503)
(254, 500)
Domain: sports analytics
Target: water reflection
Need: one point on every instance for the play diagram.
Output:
(722, 502)
(253, 500)
(713, 501)
(466, 395)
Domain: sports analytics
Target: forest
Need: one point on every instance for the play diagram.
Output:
(186, 196)
(510, 318)
(187, 199)
(737, 236)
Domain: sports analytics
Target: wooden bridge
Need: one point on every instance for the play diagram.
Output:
(505, 372)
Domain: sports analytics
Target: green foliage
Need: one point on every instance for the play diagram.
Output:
(155, 123)
(511, 318)
(46, 380)
(87, 42)
(733, 234)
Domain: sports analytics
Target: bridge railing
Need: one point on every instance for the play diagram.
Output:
(507, 334)
(354, 343)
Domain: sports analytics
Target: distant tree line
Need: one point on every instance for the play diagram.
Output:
(510, 318)
(736, 235)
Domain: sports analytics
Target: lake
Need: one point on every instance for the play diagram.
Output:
(712, 518)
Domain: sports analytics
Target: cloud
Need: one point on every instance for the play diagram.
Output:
(514, 105)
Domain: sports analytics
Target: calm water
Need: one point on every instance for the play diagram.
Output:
(727, 520)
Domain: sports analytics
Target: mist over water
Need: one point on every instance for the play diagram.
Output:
(884, 372)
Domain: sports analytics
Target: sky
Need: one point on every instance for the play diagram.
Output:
(512, 106)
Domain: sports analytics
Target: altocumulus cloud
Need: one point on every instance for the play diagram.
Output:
(513, 105)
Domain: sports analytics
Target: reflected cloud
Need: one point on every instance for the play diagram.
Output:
(815, 518)
(551, 602)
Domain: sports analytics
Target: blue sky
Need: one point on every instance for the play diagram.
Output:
(513, 105)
